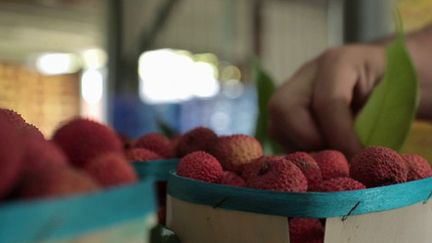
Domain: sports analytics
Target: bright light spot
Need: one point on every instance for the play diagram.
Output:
(94, 58)
(172, 76)
(92, 86)
(232, 88)
(220, 121)
(230, 72)
(57, 63)
(203, 82)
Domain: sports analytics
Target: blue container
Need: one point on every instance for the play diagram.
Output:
(119, 214)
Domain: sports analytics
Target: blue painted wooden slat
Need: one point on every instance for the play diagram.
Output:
(46, 219)
(157, 170)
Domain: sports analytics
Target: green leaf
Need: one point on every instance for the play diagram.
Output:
(389, 113)
(165, 128)
(161, 234)
(265, 87)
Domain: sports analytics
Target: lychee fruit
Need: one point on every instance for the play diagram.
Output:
(308, 166)
(200, 166)
(40, 153)
(157, 143)
(378, 166)
(236, 150)
(277, 174)
(418, 167)
(251, 169)
(82, 140)
(305, 230)
(339, 184)
(332, 163)
(111, 169)
(195, 140)
(55, 182)
(25, 129)
(29, 130)
(10, 157)
(232, 179)
(141, 155)
(12, 117)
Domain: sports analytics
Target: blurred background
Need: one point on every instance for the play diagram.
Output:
(135, 63)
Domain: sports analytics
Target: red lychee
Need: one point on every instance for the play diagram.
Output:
(304, 230)
(40, 153)
(12, 117)
(277, 174)
(195, 140)
(418, 167)
(308, 166)
(55, 182)
(141, 155)
(111, 169)
(378, 166)
(251, 169)
(232, 179)
(236, 150)
(29, 130)
(332, 163)
(339, 184)
(25, 129)
(11, 153)
(82, 140)
(200, 166)
(157, 143)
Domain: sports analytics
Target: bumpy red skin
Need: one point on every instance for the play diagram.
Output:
(251, 169)
(308, 166)
(378, 166)
(82, 140)
(277, 174)
(332, 163)
(141, 155)
(157, 143)
(111, 169)
(56, 182)
(25, 129)
(11, 153)
(200, 166)
(236, 150)
(12, 117)
(303, 230)
(232, 179)
(197, 139)
(418, 167)
(339, 184)
(40, 153)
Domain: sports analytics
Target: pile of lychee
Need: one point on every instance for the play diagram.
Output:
(238, 160)
(82, 156)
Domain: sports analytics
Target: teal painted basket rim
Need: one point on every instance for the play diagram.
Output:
(156, 169)
(48, 219)
(310, 205)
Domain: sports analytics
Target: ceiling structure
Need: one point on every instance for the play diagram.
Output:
(28, 28)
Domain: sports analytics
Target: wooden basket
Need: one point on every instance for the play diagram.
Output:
(202, 212)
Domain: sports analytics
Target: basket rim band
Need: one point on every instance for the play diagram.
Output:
(291, 204)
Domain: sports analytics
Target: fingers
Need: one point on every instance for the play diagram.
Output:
(291, 122)
(332, 98)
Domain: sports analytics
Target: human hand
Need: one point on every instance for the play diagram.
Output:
(315, 108)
